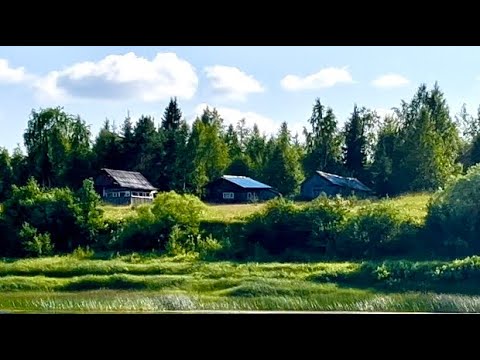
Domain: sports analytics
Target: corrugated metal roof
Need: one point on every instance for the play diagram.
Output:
(245, 182)
(130, 179)
(349, 182)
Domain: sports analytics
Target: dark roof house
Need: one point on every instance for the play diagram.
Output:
(238, 189)
(331, 184)
(124, 187)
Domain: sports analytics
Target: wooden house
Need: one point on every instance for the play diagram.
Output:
(331, 185)
(238, 189)
(121, 187)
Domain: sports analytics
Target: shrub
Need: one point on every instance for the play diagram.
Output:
(282, 225)
(152, 226)
(326, 218)
(453, 217)
(35, 244)
(376, 230)
(71, 219)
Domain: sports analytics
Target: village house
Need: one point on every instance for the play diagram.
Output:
(121, 187)
(238, 189)
(331, 185)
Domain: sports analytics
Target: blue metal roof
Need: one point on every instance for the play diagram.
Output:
(245, 182)
(348, 182)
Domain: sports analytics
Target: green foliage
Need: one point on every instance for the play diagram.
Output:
(282, 225)
(83, 253)
(283, 171)
(35, 244)
(428, 143)
(453, 219)
(376, 230)
(58, 147)
(322, 142)
(6, 174)
(358, 140)
(153, 226)
(207, 151)
(69, 220)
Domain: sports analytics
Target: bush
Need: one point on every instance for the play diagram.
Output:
(152, 226)
(453, 218)
(71, 219)
(35, 244)
(282, 226)
(376, 230)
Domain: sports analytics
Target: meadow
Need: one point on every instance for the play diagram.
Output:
(151, 281)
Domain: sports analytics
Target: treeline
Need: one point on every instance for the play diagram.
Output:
(417, 148)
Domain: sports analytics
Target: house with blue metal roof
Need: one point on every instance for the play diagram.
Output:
(238, 189)
(331, 185)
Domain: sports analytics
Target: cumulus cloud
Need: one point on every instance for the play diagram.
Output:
(10, 75)
(232, 83)
(325, 78)
(390, 81)
(123, 77)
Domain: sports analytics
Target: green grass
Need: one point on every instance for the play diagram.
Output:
(413, 206)
(135, 283)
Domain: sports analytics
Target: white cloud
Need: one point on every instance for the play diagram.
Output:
(390, 81)
(232, 83)
(325, 78)
(11, 75)
(123, 77)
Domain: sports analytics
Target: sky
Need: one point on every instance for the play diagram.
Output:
(265, 85)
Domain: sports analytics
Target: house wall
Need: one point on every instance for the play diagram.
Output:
(313, 186)
(316, 184)
(123, 199)
(216, 189)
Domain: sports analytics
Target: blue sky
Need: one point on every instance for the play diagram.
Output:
(266, 85)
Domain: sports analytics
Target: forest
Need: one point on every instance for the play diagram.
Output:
(417, 148)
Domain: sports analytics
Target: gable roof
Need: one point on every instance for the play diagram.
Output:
(245, 182)
(130, 179)
(348, 182)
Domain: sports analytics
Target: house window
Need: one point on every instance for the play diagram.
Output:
(127, 193)
(249, 196)
(228, 195)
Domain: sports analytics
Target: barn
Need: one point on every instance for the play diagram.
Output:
(121, 187)
(331, 185)
(238, 189)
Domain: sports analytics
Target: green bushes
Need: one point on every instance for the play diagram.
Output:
(328, 226)
(453, 219)
(38, 220)
(152, 226)
(377, 230)
(282, 225)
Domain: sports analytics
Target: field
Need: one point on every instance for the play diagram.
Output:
(152, 283)
(136, 283)
(413, 206)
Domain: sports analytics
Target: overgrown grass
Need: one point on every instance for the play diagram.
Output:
(148, 283)
(127, 301)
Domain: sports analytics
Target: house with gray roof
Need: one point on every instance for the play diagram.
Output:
(238, 189)
(331, 185)
(121, 187)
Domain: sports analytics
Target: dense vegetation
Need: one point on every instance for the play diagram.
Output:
(417, 148)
